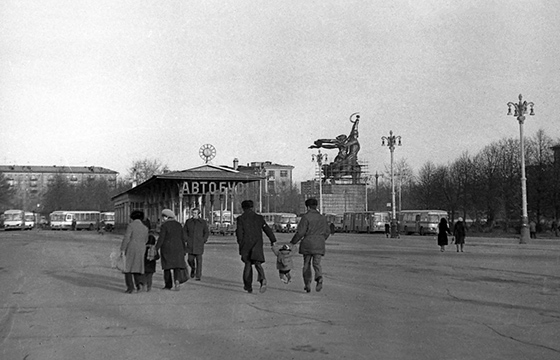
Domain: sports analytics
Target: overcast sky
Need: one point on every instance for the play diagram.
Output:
(105, 83)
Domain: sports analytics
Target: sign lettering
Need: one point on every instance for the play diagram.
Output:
(211, 187)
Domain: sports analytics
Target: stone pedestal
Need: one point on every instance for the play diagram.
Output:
(337, 198)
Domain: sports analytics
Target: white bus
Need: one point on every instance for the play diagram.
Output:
(86, 220)
(420, 221)
(14, 220)
(29, 220)
(285, 222)
(74, 220)
(107, 220)
(61, 220)
(269, 218)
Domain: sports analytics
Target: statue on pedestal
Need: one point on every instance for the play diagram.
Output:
(346, 161)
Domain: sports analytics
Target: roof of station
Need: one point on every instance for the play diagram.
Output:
(207, 172)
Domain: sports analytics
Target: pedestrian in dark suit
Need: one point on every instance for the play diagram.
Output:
(313, 231)
(172, 249)
(459, 232)
(250, 227)
(196, 231)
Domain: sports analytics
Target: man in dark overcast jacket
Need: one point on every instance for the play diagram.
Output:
(250, 227)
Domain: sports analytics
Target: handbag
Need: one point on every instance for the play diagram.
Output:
(152, 253)
(182, 276)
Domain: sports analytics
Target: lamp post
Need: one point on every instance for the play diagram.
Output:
(391, 142)
(319, 159)
(520, 111)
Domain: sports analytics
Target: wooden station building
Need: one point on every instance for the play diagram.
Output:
(208, 187)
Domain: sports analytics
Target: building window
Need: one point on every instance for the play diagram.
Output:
(271, 174)
(283, 173)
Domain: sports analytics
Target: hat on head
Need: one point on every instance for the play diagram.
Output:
(168, 213)
(460, 219)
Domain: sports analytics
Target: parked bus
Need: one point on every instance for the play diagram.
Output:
(337, 220)
(29, 220)
(285, 222)
(269, 218)
(365, 221)
(75, 220)
(86, 220)
(420, 221)
(107, 220)
(14, 220)
(60, 220)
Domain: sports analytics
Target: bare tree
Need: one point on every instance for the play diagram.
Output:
(142, 170)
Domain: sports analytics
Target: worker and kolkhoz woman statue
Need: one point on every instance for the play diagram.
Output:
(346, 161)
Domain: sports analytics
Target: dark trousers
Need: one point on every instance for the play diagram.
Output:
(147, 279)
(132, 278)
(315, 261)
(168, 279)
(248, 273)
(195, 262)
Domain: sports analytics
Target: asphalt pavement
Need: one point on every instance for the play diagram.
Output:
(382, 299)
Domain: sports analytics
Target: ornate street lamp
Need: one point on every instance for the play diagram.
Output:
(520, 111)
(391, 142)
(319, 158)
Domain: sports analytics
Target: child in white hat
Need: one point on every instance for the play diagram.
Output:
(283, 262)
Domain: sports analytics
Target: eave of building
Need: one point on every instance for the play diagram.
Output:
(206, 172)
(55, 169)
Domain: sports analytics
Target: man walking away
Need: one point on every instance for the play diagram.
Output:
(250, 227)
(196, 231)
(313, 231)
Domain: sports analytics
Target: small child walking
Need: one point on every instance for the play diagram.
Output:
(150, 257)
(284, 262)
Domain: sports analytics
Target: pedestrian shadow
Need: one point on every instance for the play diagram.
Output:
(89, 280)
(237, 286)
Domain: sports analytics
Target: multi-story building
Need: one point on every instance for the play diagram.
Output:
(31, 182)
(278, 177)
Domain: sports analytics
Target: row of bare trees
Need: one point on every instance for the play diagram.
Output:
(484, 187)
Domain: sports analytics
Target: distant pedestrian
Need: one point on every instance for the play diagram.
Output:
(133, 247)
(313, 231)
(443, 231)
(284, 262)
(555, 228)
(387, 230)
(196, 231)
(459, 232)
(172, 249)
(533, 229)
(250, 227)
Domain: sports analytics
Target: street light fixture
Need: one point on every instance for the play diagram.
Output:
(391, 142)
(520, 111)
(319, 158)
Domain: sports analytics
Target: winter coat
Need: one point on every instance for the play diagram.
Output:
(459, 232)
(283, 259)
(171, 245)
(443, 230)
(134, 246)
(250, 227)
(150, 265)
(196, 232)
(313, 230)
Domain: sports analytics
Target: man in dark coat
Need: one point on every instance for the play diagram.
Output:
(172, 248)
(250, 227)
(313, 231)
(196, 231)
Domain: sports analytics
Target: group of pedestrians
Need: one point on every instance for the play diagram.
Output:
(312, 230)
(459, 233)
(141, 249)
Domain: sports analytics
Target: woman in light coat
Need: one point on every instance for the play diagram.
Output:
(133, 247)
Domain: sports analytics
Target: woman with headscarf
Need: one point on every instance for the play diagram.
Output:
(172, 249)
(443, 230)
(133, 247)
(459, 232)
